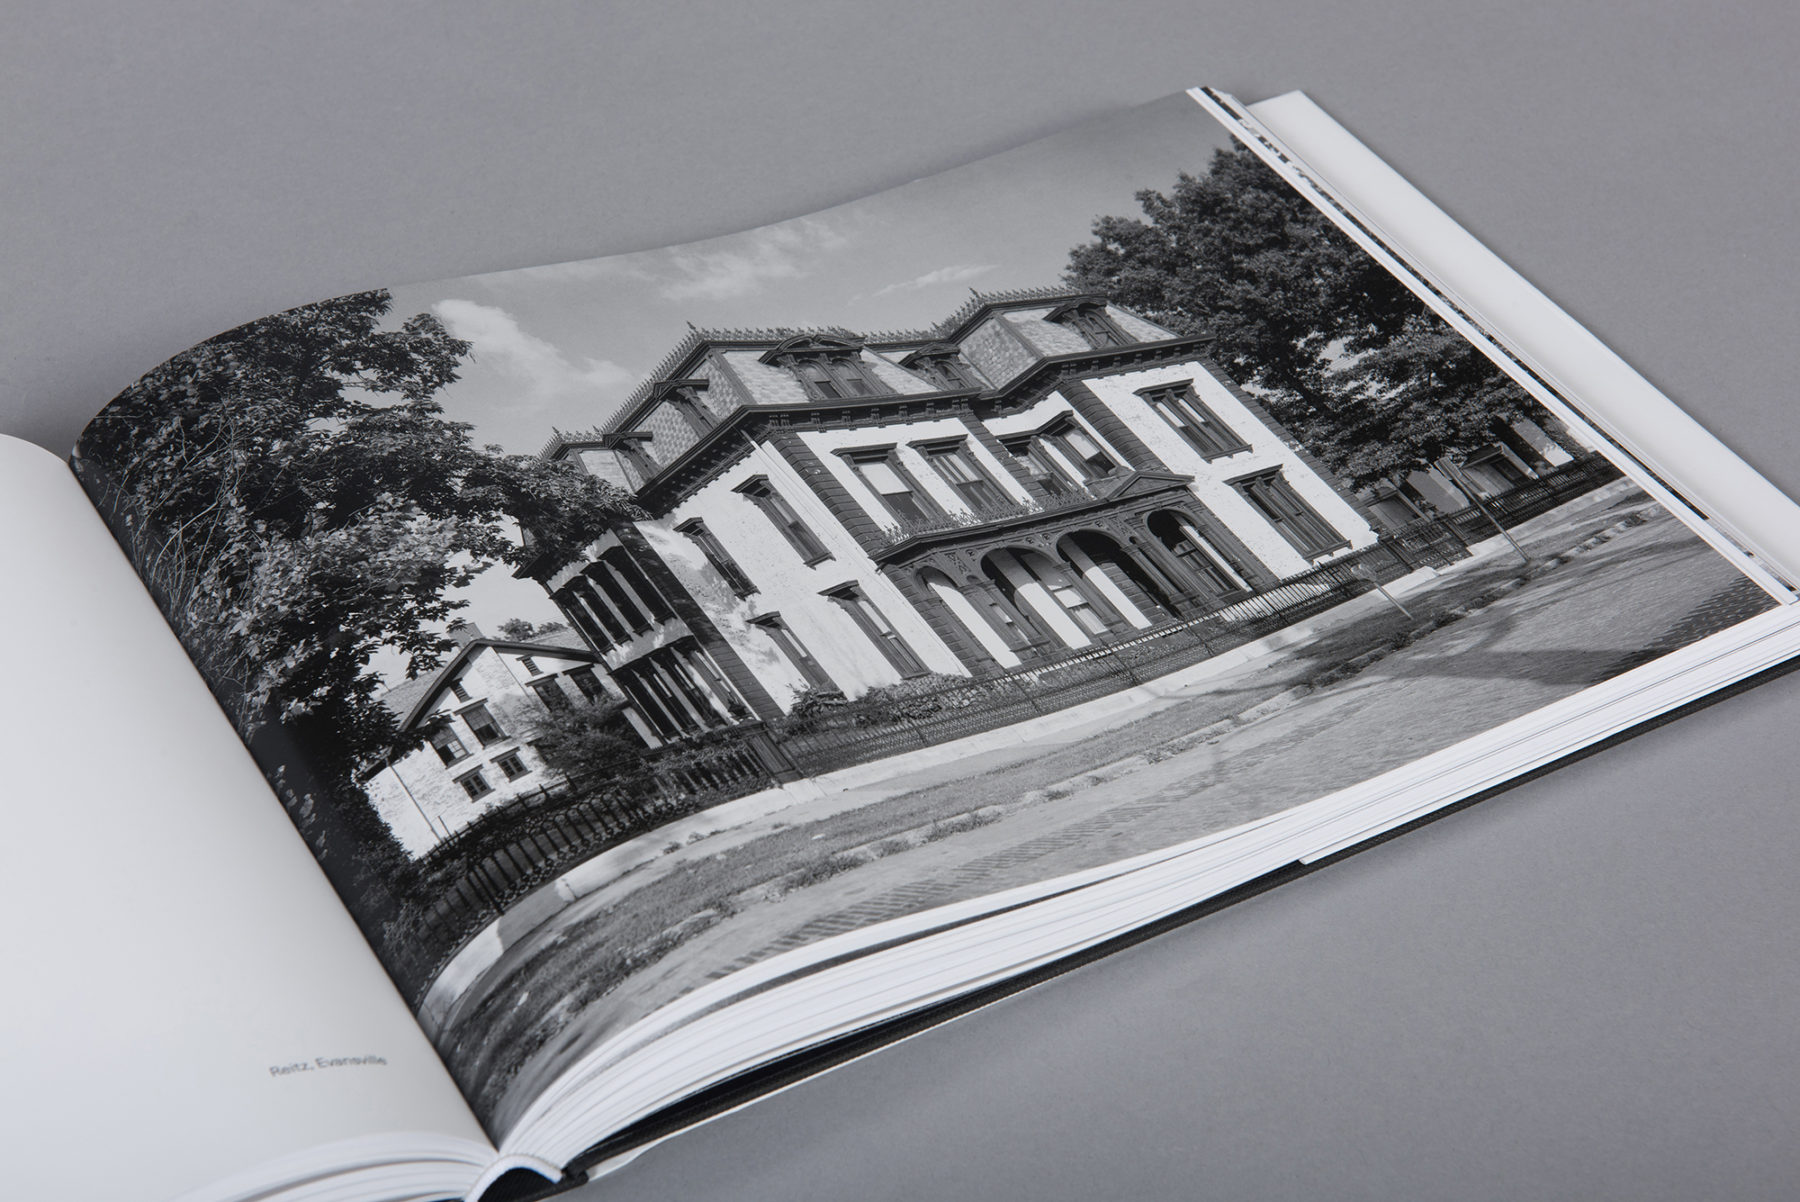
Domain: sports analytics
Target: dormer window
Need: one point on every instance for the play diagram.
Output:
(833, 379)
(634, 449)
(829, 367)
(1089, 319)
(684, 397)
(942, 365)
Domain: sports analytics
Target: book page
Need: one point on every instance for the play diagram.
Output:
(186, 997)
(621, 633)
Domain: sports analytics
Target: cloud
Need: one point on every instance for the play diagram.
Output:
(541, 370)
(956, 273)
(741, 265)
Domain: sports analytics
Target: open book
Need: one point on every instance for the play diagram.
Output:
(534, 713)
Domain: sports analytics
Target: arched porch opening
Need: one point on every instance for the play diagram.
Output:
(1117, 574)
(1065, 603)
(984, 617)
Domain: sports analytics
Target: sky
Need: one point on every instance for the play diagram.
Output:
(561, 346)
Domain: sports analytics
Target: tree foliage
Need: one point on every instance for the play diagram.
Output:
(1344, 356)
(297, 499)
(522, 630)
(585, 739)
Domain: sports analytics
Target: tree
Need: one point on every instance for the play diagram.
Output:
(521, 630)
(1342, 353)
(588, 739)
(294, 495)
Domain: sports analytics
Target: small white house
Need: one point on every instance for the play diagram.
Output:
(476, 713)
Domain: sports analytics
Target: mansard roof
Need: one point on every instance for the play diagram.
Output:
(686, 354)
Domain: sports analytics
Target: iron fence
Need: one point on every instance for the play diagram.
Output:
(1534, 497)
(854, 734)
(478, 873)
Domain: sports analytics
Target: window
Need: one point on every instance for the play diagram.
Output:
(458, 691)
(702, 666)
(530, 665)
(482, 723)
(885, 637)
(1067, 593)
(654, 678)
(551, 694)
(1277, 501)
(621, 598)
(589, 684)
(648, 595)
(946, 370)
(1214, 571)
(786, 520)
(448, 746)
(958, 466)
(600, 616)
(1012, 633)
(1090, 320)
(716, 556)
(1081, 449)
(794, 651)
(650, 705)
(1040, 466)
(884, 475)
(475, 785)
(575, 610)
(831, 378)
(511, 765)
(1177, 405)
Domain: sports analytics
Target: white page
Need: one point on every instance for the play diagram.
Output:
(169, 937)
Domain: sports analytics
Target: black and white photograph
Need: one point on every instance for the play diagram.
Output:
(615, 627)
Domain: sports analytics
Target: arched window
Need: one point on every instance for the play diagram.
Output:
(1089, 319)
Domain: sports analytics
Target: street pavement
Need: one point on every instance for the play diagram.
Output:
(1028, 815)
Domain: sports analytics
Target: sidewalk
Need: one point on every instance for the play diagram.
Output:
(1637, 585)
(1613, 581)
(1216, 690)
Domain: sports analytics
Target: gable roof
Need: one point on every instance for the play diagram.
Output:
(411, 699)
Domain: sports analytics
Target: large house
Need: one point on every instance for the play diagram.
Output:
(471, 723)
(1040, 473)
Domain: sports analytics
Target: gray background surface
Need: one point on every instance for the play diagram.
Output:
(1587, 988)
